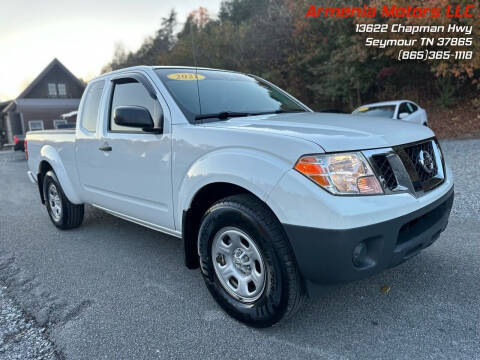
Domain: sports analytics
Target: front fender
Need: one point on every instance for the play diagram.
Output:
(49, 154)
(255, 171)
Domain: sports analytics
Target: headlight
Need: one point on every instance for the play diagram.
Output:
(341, 174)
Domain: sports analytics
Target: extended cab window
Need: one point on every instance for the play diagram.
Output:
(129, 92)
(91, 105)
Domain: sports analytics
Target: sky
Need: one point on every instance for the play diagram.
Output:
(82, 34)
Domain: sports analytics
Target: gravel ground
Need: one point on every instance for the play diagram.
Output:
(114, 290)
(21, 338)
(463, 157)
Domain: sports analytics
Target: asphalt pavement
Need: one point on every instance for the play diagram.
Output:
(115, 290)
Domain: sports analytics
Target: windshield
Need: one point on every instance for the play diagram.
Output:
(377, 111)
(223, 93)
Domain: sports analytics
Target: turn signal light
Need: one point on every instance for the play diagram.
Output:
(308, 166)
(340, 174)
(368, 185)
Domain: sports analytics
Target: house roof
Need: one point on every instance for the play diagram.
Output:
(69, 114)
(44, 72)
(4, 104)
(42, 104)
(10, 105)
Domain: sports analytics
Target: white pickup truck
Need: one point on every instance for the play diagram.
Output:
(271, 200)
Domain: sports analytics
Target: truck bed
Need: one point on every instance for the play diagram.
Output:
(58, 145)
(53, 131)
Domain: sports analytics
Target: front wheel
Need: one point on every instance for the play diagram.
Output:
(64, 214)
(247, 262)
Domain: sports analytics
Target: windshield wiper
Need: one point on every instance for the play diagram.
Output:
(278, 112)
(224, 115)
(289, 111)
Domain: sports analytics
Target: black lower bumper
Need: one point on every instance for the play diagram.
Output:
(326, 256)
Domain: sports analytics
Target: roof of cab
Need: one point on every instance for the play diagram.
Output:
(144, 67)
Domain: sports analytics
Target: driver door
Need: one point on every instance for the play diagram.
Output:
(134, 167)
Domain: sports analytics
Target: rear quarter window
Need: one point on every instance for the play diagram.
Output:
(89, 115)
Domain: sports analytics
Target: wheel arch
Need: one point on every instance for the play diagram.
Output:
(43, 168)
(203, 199)
(50, 160)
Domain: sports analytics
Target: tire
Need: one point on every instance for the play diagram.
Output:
(62, 212)
(247, 218)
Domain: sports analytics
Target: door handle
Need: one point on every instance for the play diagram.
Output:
(105, 148)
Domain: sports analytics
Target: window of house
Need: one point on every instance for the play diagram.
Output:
(52, 89)
(132, 93)
(62, 89)
(91, 104)
(58, 122)
(34, 125)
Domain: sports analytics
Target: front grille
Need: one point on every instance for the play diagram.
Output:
(413, 153)
(386, 171)
(420, 177)
(416, 168)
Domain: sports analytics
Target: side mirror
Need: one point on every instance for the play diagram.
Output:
(403, 115)
(136, 117)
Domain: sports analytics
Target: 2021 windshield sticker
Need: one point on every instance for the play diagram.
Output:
(185, 76)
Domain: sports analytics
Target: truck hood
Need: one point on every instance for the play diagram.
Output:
(333, 132)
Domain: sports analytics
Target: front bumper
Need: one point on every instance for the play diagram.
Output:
(325, 256)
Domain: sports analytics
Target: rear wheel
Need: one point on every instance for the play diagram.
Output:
(64, 214)
(247, 263)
